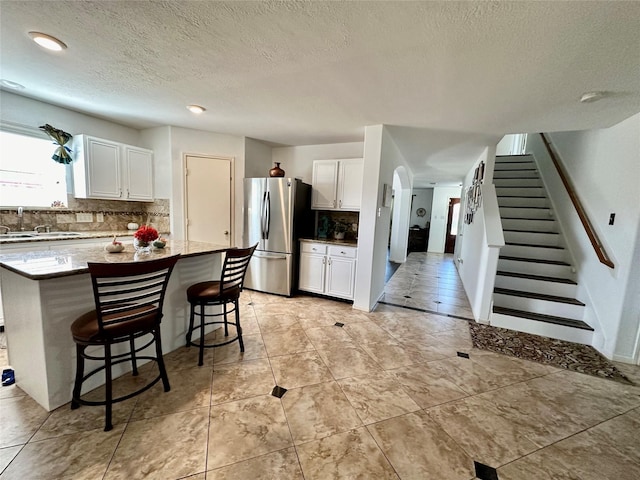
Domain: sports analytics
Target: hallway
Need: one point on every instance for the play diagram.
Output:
(428, 282)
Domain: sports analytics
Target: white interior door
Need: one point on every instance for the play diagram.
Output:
(208, 199)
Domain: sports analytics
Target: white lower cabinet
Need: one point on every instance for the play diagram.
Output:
(328, 269)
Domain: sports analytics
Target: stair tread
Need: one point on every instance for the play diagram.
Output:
(538, 296)
(567, 322)
(525, 206)
(528, 231)
(534, 245)
(520, 196)
(550, 219)
(534, 260)
(529, 276)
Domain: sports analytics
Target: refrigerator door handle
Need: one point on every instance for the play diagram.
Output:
(268, 219)
(263, 215)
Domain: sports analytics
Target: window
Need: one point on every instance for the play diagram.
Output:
(28, 175)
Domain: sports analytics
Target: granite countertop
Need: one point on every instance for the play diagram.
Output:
(80, 236)
(331, 241)
(72, 260)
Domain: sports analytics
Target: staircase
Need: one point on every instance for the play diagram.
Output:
(535, 284)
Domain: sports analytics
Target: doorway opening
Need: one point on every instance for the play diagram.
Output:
(452, 225)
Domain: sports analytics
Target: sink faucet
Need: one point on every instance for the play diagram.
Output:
(47, 228)
(20, 220)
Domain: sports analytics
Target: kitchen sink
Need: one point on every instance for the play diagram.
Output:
(10, 235)
(55, 234)
(19, 235)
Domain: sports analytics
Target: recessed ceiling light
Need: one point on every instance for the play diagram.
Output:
(195, 109)
(590, 97)
(47, 41)
(12, 85)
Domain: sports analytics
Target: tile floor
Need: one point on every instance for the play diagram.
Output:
(383, 396)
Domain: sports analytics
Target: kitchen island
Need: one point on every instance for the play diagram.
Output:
(44, 291)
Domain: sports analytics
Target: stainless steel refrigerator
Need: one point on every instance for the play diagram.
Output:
(276, 215)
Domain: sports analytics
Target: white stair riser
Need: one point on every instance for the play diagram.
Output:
(520, 191)
(536, 225)
(534, 252)
(517, 182)
(545, 329)
(516, 201)
(533, 268)
(536, 286)
(545, 307)
(514, 159)
(515, 173)
(532, 238)
(512, 212)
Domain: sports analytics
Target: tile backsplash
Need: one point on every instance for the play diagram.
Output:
(326, 221)
(115, 215)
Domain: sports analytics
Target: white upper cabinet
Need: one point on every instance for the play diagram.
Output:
(324, 191)
(350, 184)
(337, 184)
(139, 171)
(110, 170)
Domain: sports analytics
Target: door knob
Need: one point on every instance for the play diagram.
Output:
(226, 232)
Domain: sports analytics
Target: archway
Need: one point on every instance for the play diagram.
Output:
(400, 215)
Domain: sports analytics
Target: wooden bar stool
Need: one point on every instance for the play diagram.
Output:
(129, 299)
(219, 293)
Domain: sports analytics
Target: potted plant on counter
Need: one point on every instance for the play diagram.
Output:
(339, 230)
(144, 237)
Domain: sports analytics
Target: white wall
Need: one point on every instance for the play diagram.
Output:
(185, 141)
(33, 113)
(604, 166)
(512, 144)
(381, 158)
(439, 214)
(159, 140)
(478, 244)
(257, 159)
(297, 162)
(422, 198)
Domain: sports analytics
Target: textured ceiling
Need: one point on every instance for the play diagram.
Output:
(447, 76)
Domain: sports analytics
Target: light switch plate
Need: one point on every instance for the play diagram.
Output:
(84, 217)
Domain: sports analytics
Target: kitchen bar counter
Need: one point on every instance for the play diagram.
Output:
(72, 259)
(43, 292)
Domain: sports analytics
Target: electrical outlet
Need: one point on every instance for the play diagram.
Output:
(84, 217)
(100, 217)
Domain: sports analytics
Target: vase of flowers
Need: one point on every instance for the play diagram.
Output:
(143, 238)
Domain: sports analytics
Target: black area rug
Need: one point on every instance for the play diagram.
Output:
(558, 353)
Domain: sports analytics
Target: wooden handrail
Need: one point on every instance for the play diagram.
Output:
(591, 233)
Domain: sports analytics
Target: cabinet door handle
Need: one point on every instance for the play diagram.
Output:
(343, 252)
(127, 193)
(324, 260)
(334, 204)
(340, 203)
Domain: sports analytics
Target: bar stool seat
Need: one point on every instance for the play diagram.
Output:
(219, 293)
(129, 299)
